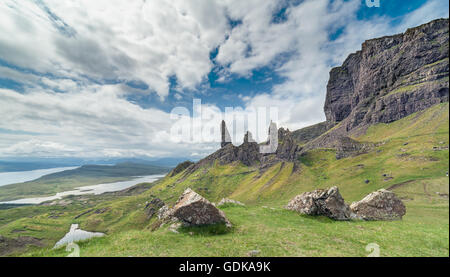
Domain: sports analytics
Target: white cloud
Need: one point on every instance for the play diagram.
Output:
(147, 41)
(39, 148)
(92, 123)
(83, 43)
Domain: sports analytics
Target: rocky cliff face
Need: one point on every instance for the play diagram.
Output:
(391, 77)
(388, 79)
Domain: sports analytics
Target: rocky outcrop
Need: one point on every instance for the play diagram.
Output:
(225, 201)
(346, 147)
(247, 153)
(194, 210)
(388, 79)
(322, 202)
(180, 167)
(307, 134)
(391, 77)
(12, 245)
(250, 153)
(379, 205)
(287, 147)
(152, 207)
(164, 213)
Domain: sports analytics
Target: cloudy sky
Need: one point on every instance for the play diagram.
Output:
(98, 78)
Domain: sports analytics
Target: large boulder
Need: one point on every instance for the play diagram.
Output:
(379, 205)
(192, 209)
(327, 202)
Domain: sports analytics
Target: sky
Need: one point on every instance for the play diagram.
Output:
(110, 78)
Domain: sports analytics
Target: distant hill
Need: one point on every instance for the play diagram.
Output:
(14, 166)
(85, 175)
(118, 170)
(21, 164)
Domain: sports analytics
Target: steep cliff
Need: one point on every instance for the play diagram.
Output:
(391, 77)
(388, 79)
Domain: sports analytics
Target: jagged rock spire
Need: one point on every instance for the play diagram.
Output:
(248, 137)
(226, 138)
(273, 140)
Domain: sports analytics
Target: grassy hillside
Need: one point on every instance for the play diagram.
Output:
(411, 157)
(83, 176)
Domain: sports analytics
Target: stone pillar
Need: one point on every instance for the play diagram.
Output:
(273, 140)
(248, 137)
(226, 138)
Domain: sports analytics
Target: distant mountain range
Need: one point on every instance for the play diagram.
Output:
(26, 164)
(126, 169)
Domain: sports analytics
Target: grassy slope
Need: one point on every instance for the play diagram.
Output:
(83, 176)
(417, 170)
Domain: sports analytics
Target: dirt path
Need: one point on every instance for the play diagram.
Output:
(396, 186)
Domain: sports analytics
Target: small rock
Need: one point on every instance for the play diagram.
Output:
(253, 253)
(174, 227)
(229, 201)
(367, 181)
(152, 207)
(164, 213)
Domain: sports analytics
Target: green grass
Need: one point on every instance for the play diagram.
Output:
(278, 232)
(404, 151)
(436, 63)
(408, 88)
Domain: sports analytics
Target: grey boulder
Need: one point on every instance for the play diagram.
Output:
(194, 210)
(379, 205)
(327, 202)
